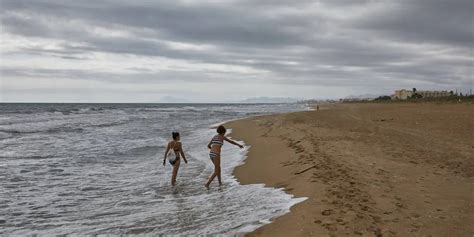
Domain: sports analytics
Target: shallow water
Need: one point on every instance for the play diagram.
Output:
(97, 169)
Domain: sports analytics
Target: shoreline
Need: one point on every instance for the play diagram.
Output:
(353, 162)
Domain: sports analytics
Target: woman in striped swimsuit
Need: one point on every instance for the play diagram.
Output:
(215, 146)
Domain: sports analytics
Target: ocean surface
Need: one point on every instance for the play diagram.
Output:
(85, 169)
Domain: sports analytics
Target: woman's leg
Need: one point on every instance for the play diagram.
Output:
(217, 168)
(217, 163)
(175, 172)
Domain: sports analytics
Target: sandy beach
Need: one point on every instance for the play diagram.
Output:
(401, 169)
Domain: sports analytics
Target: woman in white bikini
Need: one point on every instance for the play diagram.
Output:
(174, 159)
(215, 146)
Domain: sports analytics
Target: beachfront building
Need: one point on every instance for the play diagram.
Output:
(402, 94)
(433, 94)
(406, 94)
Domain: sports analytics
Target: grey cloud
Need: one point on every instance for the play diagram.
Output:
(200, 23)
(135, 75)
(449, 22)
(383, 46)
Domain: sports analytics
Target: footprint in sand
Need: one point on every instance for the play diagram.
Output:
(400, 205)
(341, 221)
(327, 212)
(378, 232)
(287, 163)
(330, 227)
(376, 219)
(336, 202)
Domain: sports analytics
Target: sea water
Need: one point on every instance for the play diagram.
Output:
(82, 169)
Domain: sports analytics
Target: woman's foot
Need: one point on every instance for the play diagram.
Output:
(207, 186)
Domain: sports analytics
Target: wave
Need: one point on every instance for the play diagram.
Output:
(143, 150)
(63, 111)
(83, 110)
(50, 130)
(64, 126)
(111, 124)
(165, 110)
(174, 109)
(4, 135)
(34, 157)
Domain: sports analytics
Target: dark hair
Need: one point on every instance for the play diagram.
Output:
(221, 129)
(175, 135)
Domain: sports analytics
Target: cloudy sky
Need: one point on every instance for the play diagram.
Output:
(229, 50)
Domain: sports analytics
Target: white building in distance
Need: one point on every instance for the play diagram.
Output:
(402, 94)
(406, 94)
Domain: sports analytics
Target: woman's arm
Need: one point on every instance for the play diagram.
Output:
(166, 153)
(209, 145)
(232, 142)
(182, 153)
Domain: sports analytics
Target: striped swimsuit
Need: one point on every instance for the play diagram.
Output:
(215, 141)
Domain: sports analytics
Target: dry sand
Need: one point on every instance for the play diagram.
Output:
(367, 169)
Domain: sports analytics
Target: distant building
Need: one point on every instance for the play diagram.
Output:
(433, 94)
(406, 94)
(402, 94)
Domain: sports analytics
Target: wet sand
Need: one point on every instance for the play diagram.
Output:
(367, 169)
